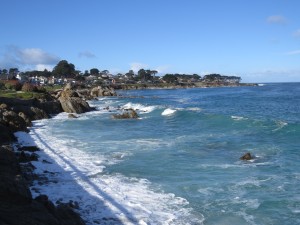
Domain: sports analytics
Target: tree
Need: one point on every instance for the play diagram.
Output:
(144, 75)
(63, 68)
(13, 71)
(86, 73)
(106, 72)
(80, 78)
(170, 78)
(94, 71)
(4, 71)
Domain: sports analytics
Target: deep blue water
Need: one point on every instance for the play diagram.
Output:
(194, 152)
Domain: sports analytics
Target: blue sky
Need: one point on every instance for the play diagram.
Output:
(258, 40)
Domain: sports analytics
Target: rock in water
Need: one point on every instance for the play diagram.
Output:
(72, 116)
(247, 156)
(129, 114)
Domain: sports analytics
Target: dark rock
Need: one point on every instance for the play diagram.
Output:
(12, 185)
(69, 216)
(129, 114)
(23, 157)
(45, 201)
(6, 134)
(25, 118)
(51, 107)
(12, 120)
(39, 113)
(17, 205)
(29, 148)
(247, 156)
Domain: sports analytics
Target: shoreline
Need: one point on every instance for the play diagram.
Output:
(181, 86)
(63, 210)
(101, 198)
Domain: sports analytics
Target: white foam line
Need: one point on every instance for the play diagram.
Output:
(104, 199)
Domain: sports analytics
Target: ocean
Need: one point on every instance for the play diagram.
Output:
(179, 162)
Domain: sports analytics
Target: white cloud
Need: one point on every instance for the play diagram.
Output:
(297, 33)
(137, 66)
(296, 52)
(42, 67)
(26, 58)
(277, 19)
(86, 54)
(34, 56)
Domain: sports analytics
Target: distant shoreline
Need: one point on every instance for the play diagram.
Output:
(180, 86)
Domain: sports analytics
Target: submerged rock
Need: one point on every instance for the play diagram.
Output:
(247, 156)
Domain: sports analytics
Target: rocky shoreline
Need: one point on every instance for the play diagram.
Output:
(17, 206)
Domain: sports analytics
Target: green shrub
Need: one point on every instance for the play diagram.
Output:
(2, 86)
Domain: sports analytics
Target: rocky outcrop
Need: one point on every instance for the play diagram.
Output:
(102, 91)
(32, 109)
(247, 156)
(128, 114)
(71, 102)
(16, 203)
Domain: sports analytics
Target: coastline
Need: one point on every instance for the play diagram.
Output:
(18, 205)
(64, 210)
(181, 86)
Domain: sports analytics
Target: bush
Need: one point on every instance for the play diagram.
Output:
(13, 85)
(2, 86)
(9, 86)
(41, 89)
(27, 87)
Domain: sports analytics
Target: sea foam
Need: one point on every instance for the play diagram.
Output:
(74, 175)
(168, 112)
(140, 107)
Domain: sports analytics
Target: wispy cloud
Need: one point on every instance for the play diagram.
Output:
(14, 56)
(295, 52)
(297, 33)
(277, 19)
(86, 54)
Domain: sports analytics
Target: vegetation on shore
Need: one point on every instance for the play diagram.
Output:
(65, 72)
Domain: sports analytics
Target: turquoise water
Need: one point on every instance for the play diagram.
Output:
(193, 151)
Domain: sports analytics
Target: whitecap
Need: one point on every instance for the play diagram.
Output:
(237, 118)
(280, 125)
(196, 109)
(140, 107)
(168, 112)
